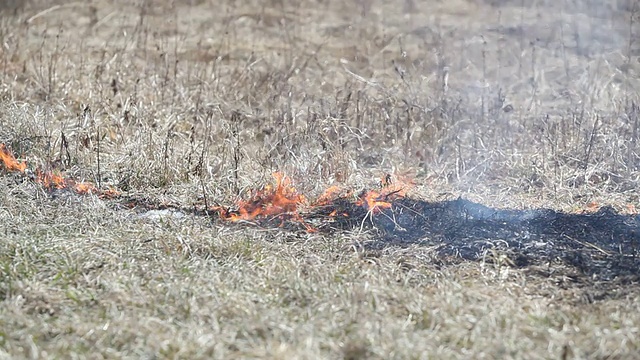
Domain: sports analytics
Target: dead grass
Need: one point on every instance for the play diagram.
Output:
(507, 105)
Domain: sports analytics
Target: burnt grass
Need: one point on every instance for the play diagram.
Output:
(602, 245)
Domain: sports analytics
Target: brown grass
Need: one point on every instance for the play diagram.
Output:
(509, 105)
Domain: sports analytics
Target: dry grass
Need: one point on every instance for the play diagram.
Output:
(505, 104)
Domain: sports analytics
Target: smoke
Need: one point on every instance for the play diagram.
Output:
(549, 80)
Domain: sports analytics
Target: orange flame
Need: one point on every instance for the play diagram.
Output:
(327, 196)
(51, 180)
(55, 181)
(281, 199)
(84, 188)
(9, 161)
(375, 200)
(109, 193)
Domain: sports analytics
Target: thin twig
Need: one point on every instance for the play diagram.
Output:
(587, 244)
(52, 9)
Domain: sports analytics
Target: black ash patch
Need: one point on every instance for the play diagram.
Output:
(603, 245)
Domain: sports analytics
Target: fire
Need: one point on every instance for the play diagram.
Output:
(84, 188)
(376, 200)
(109, 193)
(9, 161)
(281, 199)
(51, 180)
(327, 196)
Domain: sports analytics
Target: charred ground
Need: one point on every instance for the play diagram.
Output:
(600, 245)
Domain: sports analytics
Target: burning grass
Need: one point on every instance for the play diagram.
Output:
(281, 199)
(50, 180)
(529, 111)
(283, 202)
(602, 245)
(9, 161)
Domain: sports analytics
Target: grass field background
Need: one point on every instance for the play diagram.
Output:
(519, 104)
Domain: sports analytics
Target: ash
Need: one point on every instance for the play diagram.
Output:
(603, 245)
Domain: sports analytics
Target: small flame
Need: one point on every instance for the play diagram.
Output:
(52, 180)
(281, 199)
(55, 181)
(327, 196)
(591, 207)
(84, 188)
(376, 200)
(9, 161)
(109, 193)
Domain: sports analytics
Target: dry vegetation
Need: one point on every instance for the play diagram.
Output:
(510, 103)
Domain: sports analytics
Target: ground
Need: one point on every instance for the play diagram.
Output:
(511, 104)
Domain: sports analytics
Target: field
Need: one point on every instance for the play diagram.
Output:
(185, 105)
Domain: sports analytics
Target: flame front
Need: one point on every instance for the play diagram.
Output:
(51, 180)
(9, 161)
(327, 196)
(281, 199)
(84, 188)
(376, 200)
